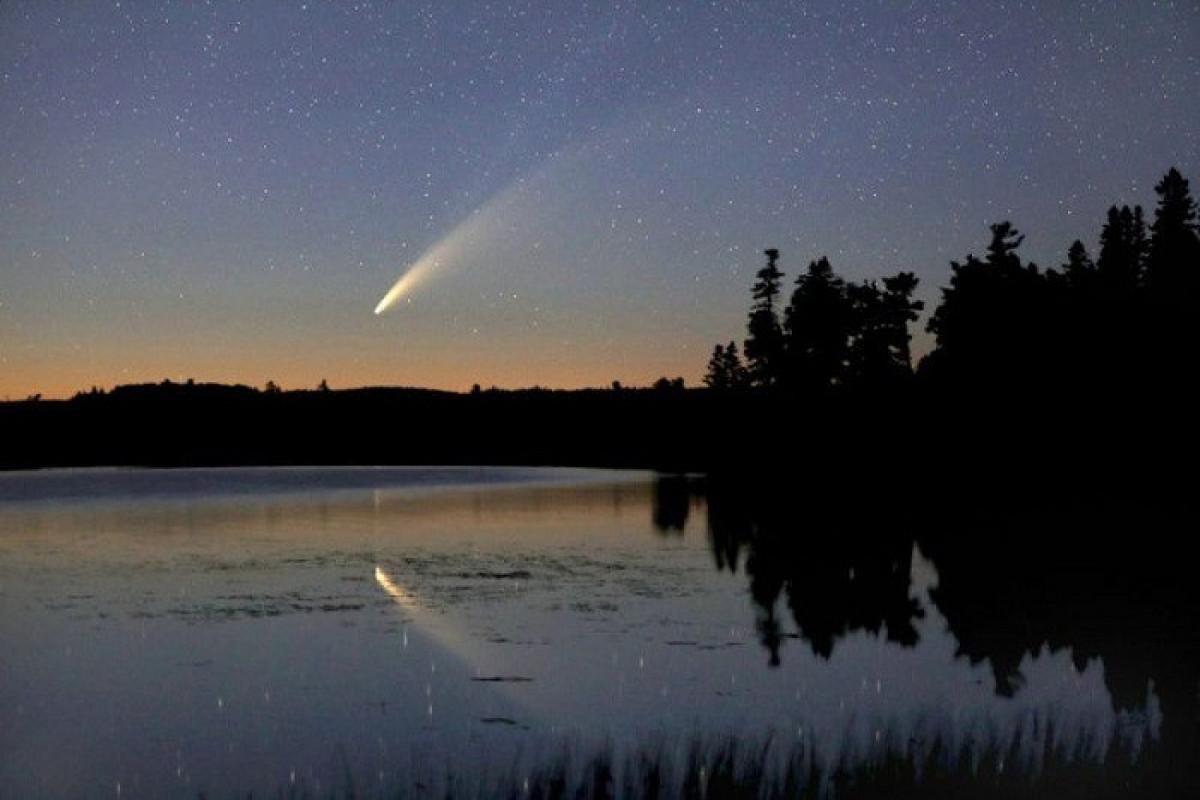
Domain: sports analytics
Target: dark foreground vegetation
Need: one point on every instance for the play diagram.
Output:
(1039, 377)
(726, 767)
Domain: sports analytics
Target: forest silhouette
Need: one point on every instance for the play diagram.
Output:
(1038, 377)
(1003, 324)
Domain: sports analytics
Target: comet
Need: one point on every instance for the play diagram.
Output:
(454, 248)
(448, 250)
(511, 223)
(475, 234)
(466, 238)
(420, 268)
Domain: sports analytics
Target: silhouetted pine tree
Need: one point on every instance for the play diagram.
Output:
(992, 318)
(1084, 318)
(818, 323)
(715, 377)
(735, 371)
(879, 345)
(1119, 267)
(1079, 269)
(868, 359)
(725, 369)
(764, 346)
(1172, 305)
(1173, 265)
(1110, 334)
(899, 309)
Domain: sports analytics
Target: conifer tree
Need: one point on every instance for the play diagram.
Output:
(879, 351)
(764, 346)
(1119, 267)
(725, 369)
(734, 370)
(1173, 263)
(991, 316)
(1079, 269)
(715, 377)
(899, 309)
(818, 322)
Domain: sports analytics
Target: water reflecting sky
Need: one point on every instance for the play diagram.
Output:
(318, 627)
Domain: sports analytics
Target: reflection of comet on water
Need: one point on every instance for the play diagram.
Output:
(398, 592)
(426, 619)
(503, 705)
(460, 646)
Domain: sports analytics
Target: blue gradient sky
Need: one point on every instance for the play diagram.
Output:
(225, 190)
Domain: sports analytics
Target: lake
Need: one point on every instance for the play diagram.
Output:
(397, 631)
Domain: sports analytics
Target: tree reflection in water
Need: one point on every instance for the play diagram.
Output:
(1098, 582)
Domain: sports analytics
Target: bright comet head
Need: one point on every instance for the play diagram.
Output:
(423, 266)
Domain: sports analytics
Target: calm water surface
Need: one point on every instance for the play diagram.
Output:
(235, 631)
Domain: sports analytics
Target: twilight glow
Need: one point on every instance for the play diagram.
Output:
(220, 191)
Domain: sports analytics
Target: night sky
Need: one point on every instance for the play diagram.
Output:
(225, 191)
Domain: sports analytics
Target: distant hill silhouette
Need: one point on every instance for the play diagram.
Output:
(1040, 380)
(178, 424)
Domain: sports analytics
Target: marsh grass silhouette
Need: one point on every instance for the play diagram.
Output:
(718, 767)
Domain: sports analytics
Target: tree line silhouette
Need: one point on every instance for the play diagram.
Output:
(832, 333)
(1002, 322)
(1036, 377)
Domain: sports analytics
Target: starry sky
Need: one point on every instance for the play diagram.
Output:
(225, 191)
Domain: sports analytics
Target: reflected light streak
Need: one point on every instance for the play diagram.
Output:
(461, 646)
(397, 592)
(429, 621)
